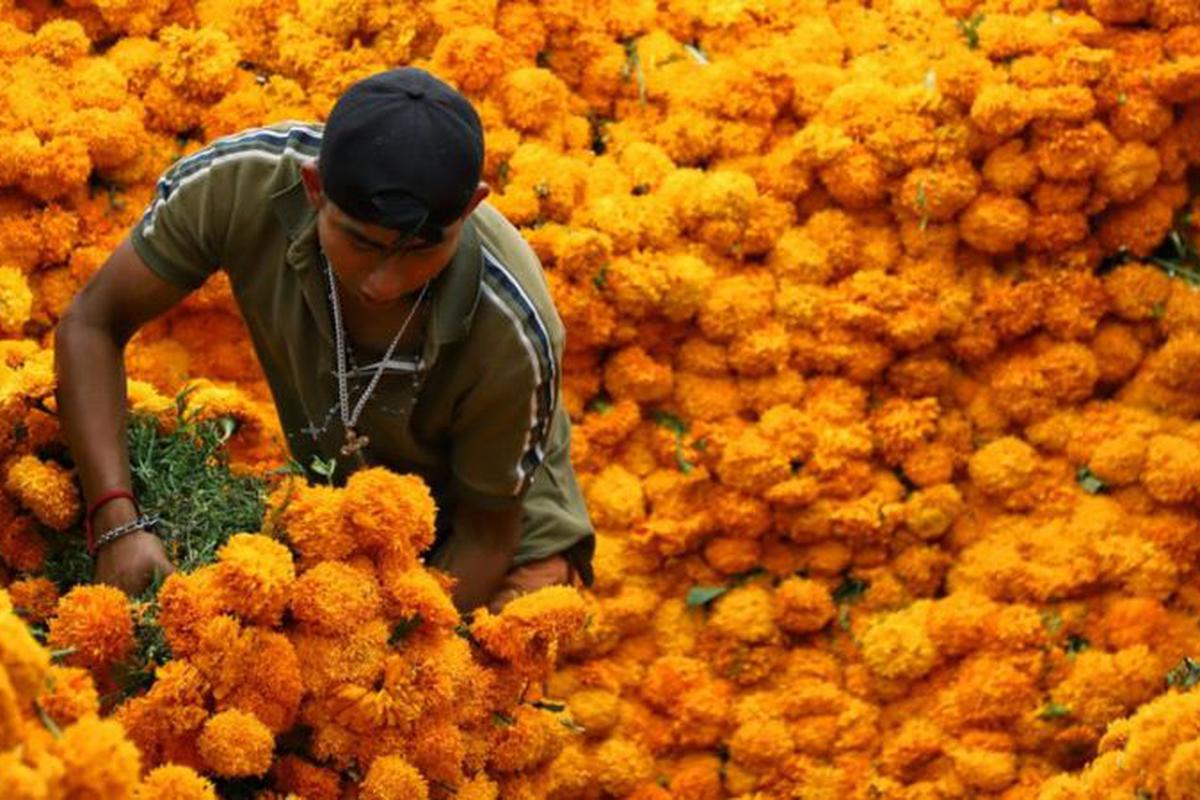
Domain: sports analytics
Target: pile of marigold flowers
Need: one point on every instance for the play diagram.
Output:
(883, 333)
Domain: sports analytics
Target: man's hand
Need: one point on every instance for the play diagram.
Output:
(131, 562)
(554, 570)
(479, 552)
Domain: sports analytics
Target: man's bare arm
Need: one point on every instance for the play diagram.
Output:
(479, 552)
(89, 363)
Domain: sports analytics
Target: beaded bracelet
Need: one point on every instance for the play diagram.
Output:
(142, 523)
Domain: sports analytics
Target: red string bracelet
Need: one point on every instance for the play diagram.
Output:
(111, 494)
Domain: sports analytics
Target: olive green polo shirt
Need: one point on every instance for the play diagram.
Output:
(474, 410)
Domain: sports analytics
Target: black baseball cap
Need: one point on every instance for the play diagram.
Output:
(403, 150)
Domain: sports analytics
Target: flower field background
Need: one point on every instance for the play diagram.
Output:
(884, 362)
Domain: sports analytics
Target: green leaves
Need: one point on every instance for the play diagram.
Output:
(699, 596)
(1089, 482)
(403, 628)
(680, 429)
(969, 28)
(1177, 257)
(1185, 674)
(1053, 710)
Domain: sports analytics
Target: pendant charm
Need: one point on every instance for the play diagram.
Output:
(354, 442)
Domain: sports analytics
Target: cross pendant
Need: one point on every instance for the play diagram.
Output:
(354, 442)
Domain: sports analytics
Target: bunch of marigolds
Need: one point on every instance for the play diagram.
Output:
(883, 360)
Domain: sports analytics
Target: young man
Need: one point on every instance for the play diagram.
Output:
(400, 320)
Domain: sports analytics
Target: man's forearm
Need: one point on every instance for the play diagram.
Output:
(90, 394)
(479, 552)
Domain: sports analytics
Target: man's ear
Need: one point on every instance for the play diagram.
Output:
(481, 193)
(312, 183)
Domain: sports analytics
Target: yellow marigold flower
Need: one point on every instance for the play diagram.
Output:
(1172, 469)
(615, 498)
(471, 58)
(897, 646)
(22, 658)
(254, 577)
(16, 301)
(523, 739)
(70, 695)
(200, 63)
(392, 777)
(95, 623)
(1182, 777)
(333, 597)
(97, 760)
(46, 489)
(174, 782)
(530, 627)
(596, 710)
(61, 41)
(745, 614)
(34, 598)
(803, 606)
(389, 512)
(620, 765)
(533, 98)
(235, 744)
(1003, 467)
(480, 787)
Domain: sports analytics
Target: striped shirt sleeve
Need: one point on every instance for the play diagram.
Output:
(501, 427)
(177, 234)
(183, 233)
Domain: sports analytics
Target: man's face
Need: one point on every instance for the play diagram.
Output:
(378, 265)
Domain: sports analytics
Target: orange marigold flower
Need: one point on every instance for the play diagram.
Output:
(294, 775)
(174, 782)
(34, 598)
(995, 223)
(185, 603)
(235, 744)
(254, 577)
(334, 597)
(98, 761)
(46, 489)
(392, 777)
(95, 624)
(529, 628)
(311, 517)
(389, 512)
(70, 695)
(411, 592)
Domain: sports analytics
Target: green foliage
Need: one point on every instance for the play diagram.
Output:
(969, 28)
(1177, 257)
(703, 595)
(1089, 482)
(1185, 674)
(402, 629)
(1054, 710)
(1076, 644)
(680, 429)
(183, 477)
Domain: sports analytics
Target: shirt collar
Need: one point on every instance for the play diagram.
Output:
(456, 289)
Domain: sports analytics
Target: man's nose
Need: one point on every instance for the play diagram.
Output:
(385, 281)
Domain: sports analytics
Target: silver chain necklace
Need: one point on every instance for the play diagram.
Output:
(355, 443)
